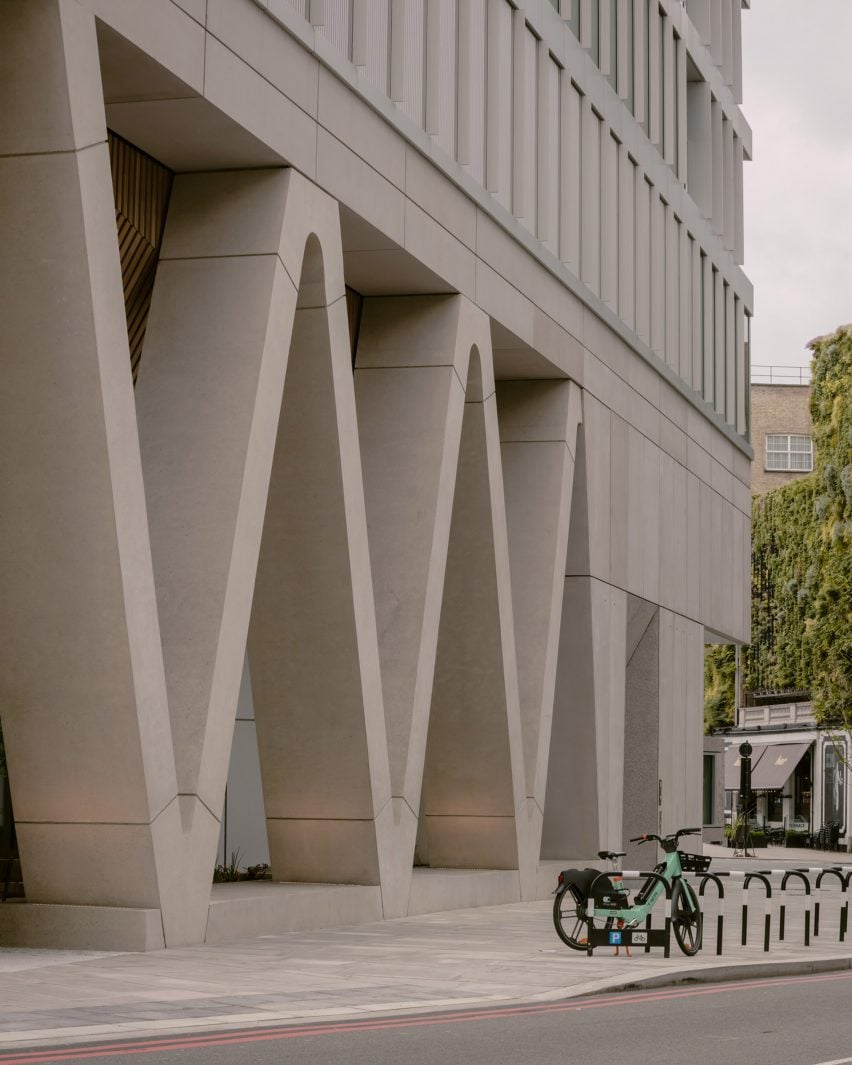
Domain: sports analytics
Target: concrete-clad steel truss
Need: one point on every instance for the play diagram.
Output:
(474, 605)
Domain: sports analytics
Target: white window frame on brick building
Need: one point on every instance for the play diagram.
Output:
(789, 451)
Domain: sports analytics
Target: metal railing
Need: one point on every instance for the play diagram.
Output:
(780, 375)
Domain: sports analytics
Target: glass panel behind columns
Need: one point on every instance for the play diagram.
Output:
(709, 782)
(243, 830)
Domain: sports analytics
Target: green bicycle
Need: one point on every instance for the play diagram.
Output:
(588, 900)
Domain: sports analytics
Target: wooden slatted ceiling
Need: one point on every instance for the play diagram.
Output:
(141, 187)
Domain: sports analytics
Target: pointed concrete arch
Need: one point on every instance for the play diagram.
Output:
(472, 804)
(312, 650)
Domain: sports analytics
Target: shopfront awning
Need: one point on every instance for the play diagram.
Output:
(776, 765)
(732, 764)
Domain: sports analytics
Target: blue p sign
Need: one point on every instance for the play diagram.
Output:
(615, 939)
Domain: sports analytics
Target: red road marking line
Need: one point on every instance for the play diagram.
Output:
(214, 1039)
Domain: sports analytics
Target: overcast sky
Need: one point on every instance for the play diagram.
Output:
(797, 98)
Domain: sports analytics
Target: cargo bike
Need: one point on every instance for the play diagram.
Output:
(593, 908)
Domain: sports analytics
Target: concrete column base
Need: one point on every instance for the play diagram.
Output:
(60, 927)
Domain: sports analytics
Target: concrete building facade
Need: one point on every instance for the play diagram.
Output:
(374, 397)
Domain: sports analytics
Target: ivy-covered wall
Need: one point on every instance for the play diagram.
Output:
(784, 581)
(828, 625)
(801, 619)
(719, 685)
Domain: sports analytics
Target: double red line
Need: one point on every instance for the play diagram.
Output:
(264, 1035)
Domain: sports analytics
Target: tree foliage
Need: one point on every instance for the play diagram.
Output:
(802, 555)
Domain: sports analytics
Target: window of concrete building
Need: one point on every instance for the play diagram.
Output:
(789, 451)
(834, 783)
(609, 47)
(646, 42)
(676, 91)
(627, 37)
(571, 14)
(662, 26)
(592, 33)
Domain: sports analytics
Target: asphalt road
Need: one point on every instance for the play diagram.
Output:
(784, 1021)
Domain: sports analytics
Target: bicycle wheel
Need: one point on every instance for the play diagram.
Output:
(569, 920)
(687, 919)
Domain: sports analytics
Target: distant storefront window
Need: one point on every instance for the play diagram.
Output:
(789, 451)
(774, 806)
(709, 788)
(834, 784)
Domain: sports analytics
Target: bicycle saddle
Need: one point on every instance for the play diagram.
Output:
(611, 855)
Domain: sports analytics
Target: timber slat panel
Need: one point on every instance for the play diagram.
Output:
(141, 187)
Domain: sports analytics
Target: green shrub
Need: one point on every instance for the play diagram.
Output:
(229, 871)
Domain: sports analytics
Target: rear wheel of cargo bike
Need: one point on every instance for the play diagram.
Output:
(569, 920)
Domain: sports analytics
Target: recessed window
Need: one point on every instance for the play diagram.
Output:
(789, 451)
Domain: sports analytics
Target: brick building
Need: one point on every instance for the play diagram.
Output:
(780, 434)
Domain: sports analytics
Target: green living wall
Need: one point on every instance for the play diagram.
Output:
(802, 565)
(828, 625)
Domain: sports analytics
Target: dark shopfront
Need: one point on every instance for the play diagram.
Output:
(782, 782)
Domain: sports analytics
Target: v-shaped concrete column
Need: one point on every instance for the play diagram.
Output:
(312, 649)
(208, 397)
(538, 433)
(411, 370)
(473, 784)
(82, 691)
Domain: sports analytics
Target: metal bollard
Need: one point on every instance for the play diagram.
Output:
(720, 917)
(763, 877)
(843, 882)
(797, 873)
(844, 909)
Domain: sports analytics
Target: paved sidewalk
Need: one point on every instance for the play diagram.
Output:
(458, 959)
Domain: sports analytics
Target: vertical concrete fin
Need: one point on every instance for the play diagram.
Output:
(473, 786)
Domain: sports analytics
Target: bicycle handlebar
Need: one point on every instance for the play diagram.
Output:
(660, 839)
